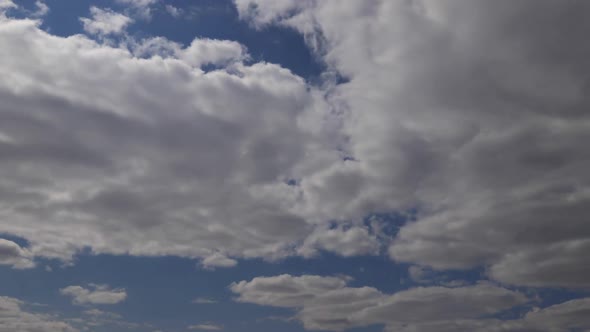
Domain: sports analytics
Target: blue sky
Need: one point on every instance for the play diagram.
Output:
(293, 165)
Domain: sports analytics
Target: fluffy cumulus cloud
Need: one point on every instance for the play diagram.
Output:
(150, 155)
(342, 240)
(95, 294)
(16, 256)
(218, 260)
(105, 22)
(458, 110)
(5, 4)
(14, 317)
(471, 112)
(41, 9)
(328, 303)
(174, 11)
(464, 111)
(141, 8)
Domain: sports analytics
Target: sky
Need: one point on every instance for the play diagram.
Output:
(294, 165)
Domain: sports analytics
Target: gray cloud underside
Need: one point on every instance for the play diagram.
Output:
(95, 294)
(152, 156)
(456, 108)
(13, 317)
(474, 112)
(328, 303)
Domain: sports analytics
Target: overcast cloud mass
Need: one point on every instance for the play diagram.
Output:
(466, 120)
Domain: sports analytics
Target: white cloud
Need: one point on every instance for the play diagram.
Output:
(327, 303)
(166, 159)
(96, 294)
(419, 274)
(570, 315)
(353, 241)
(447, 111)
(6, 4)
(42, 9)
(173, 11)
(12, 254)
(218, 260)
(205, 327)
(105, 22)
(211, 51)
(14, 318)
(443, 110)
(141, 8)
(102, 314)
(203, 300)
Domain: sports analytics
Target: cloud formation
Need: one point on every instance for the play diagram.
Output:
(327, 303)
(14, 318)
(95, 294)
(12, 254)
(151, 155)
(460, 110)
(205, 327)
(140, 8)
(105, 22)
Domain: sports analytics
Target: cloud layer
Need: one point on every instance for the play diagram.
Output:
(152, 156)
(14, 318)
(460, 110)
(328, 303)
(96, 294)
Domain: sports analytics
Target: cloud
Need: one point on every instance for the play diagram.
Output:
(7, 4)
(42, 9)
(327, 303)
(353, 241)
(96, 294)
(419, 274)
(105, 22)
(570, 315)
(14, 318)
(202, 300)
(459, 110)
(205, 327)
(440, 110)
(12, 254)
(166, 159)
(218, 260)
(141, 8)
(101, 314)
(174, 11)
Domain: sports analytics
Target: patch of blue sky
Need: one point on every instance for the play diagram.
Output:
(215, 19)
(161, 290)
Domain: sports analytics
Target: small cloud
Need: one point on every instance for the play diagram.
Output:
(205, 327)
(105, 22)
(419, 274)
(218, 260)
(96, 294)
(6, 4)
(13, 254)
(102, 314)
(42, 9)
(141, 8)
(173, 11)
(202, 300)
